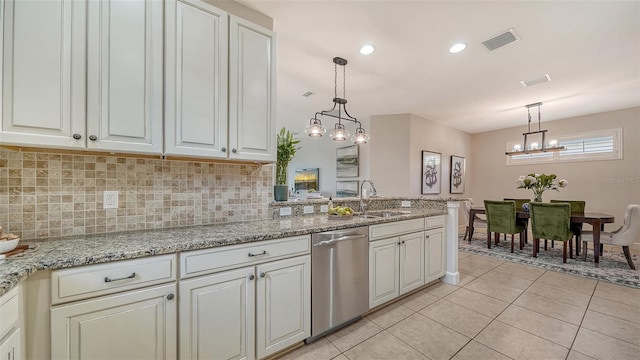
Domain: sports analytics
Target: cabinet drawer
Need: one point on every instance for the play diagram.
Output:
(211, 260)
(434, 222)
(101, 279)
(9, 311)
(395, 228)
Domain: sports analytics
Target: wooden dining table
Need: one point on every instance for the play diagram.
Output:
(596, 220)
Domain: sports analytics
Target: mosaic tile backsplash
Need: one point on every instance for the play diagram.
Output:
(49, 195)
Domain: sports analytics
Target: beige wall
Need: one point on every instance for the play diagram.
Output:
(606, 186)
(396, 165)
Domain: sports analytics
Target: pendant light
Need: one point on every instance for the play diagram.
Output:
(533, 148)
(339, 132)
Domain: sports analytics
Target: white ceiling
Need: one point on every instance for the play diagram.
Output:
(591, 50)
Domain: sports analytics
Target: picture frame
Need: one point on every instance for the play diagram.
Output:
(431, 173)
(347, 161)
(347, 188)
(458, 174)
(307, 179)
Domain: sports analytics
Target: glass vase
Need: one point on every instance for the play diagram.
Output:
(537, 197)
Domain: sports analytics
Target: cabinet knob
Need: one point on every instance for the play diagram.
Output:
(403, 241)
(224, 149)
(77, 136)
(398, 242)
(93, 137)
(234, 151)
(262, 275)
(427, 236)
(170, 297)
(251, 277)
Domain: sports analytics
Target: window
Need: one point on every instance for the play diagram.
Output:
(587, 146)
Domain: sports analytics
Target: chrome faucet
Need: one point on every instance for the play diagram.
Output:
(373, 193)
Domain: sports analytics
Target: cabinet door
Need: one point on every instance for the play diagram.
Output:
(384, 262)
(434, 254)
(11, 346)
(196, 79)
(252, 91)
(124, 75)
(283, 304)
(217, 316)
(43, 73)
(411, 262)
(138, 324)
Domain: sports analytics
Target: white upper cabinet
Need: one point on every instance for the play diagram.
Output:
(252, 89)
(209, 52)
(124, 75)
(43, 73)
(196, 79)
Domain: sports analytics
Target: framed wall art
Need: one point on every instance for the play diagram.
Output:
(431, 174)
(347, 161)
(306, 179)
(458, 174)
(347, 188)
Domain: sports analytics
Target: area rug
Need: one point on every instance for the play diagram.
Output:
(613, 266)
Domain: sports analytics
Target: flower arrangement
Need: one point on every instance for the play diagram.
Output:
(538, 183)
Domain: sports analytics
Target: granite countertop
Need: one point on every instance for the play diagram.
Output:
(94, 249)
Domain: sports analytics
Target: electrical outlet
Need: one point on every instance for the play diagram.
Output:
(406, 204)
(324, 208)
(308, 209)
(285, 211)
(109, 199)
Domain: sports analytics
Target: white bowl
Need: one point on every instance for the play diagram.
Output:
(6, 246)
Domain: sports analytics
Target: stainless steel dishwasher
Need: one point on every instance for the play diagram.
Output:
(339, 279)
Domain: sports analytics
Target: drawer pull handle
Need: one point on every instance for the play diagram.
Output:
(170, 297)
(262, 275)
(251, 277)
(107, 279)
(260, 254)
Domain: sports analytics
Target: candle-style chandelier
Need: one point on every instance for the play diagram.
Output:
(339, 132)
(534, 147)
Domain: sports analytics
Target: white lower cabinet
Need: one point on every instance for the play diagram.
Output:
(217, 315)
(396, 266)
(11, 322)
(11, 345)
(404, 257)
(138, 324)
(250, 312)
(434, 250)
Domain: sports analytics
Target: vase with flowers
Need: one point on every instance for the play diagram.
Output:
(538, 183)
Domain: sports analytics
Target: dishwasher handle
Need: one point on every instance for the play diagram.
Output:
(342, 238)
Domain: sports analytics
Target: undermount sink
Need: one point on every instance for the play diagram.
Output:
(382, 214)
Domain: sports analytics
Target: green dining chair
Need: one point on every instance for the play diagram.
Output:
(501, 219)
(551, 222)
(524, 222)
(577, 206)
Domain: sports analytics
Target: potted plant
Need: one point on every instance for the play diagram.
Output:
(286, 151)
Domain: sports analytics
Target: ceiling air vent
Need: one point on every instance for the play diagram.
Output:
(536, 80)
(500, 40)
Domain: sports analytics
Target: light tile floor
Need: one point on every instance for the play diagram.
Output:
(500, 310)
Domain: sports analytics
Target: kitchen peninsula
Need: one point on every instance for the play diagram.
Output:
(158, 260)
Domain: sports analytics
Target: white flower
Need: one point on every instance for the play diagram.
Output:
(530, 180)
(563, 183)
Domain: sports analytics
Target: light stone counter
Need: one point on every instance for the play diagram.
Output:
(93, 249)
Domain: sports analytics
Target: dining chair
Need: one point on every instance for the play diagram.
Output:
(577, 207)
(466, 208)
(501, 219)
(627, 235)
(525, 222)
(551, 222)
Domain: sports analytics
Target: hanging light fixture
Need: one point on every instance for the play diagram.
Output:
(534, 147)
(339, 132)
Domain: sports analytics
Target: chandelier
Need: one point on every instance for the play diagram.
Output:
(339, 132)
(534, 147)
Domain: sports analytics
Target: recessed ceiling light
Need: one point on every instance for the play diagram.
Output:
(367, 49)
(457, 48)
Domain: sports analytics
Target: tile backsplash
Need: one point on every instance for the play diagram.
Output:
(48, 194)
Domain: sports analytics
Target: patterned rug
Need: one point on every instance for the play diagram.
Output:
(613, 266)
